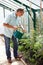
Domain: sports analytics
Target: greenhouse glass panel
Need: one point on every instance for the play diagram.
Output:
(35, 4)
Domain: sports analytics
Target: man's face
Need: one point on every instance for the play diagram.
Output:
(20, 13)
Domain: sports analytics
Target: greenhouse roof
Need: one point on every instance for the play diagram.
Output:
(15, 4)
(34, 4)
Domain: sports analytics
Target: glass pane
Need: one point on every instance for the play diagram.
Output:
(7, 12)
(1, 15)
(35, 4)
(1, 20)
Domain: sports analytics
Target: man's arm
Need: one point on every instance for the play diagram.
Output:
(10, 26)
(22, 28)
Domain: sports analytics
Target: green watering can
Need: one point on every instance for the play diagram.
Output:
(18, 34)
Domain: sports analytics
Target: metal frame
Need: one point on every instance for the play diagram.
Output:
(29, 6)
(5, 4)
(33, 10)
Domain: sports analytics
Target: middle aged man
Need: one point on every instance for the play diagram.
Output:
(10, 25)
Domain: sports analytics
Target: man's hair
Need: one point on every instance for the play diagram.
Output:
(22, 10)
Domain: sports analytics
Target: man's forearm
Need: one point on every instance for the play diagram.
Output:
(22, 27)
(9, 26)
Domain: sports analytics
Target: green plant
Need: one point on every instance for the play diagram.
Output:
(32, 50)
(11, 44)
(31, 47)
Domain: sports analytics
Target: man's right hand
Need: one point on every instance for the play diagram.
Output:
(15, 28)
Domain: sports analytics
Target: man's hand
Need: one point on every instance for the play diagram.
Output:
(24, 31)
(15, 28)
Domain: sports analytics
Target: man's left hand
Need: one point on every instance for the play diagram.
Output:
(24, 31)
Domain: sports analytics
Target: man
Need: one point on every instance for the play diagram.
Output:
(10, 25)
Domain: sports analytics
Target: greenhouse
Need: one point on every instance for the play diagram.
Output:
(26, 28)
